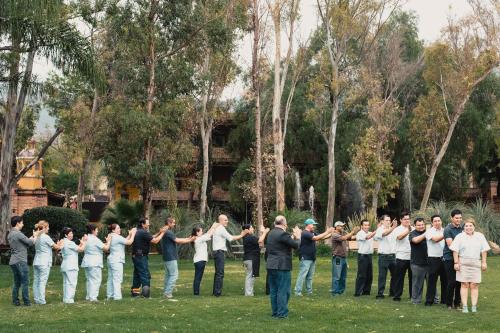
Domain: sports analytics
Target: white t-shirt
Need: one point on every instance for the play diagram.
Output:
(470, 247)
(219, 239)
(403, 248)
(200, 248)
(434, 249)
(386, 244)
(365, 246)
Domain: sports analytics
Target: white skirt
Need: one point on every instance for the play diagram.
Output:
(470, 270)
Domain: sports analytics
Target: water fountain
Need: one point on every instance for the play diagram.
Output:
(299, 202)
(407, 189)
(311, 199)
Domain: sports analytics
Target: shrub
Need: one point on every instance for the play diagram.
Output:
(323, 250)
(58, 218)
(124, 213)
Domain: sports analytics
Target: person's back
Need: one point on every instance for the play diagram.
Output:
(19, 244)
(142, 241)
(279, 247)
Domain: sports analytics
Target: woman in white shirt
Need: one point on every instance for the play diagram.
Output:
(43, 261)
(116, 259)
(92, 262)
(469, 254)
(200, 254)
(69, 265)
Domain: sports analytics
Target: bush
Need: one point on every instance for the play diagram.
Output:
(124, 213)
(323, 250)
(293, 217)
(58, 218)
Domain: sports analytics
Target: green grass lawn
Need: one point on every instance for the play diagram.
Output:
(234, 312)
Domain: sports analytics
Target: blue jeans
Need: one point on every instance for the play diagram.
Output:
(306, 272)
(142, 277)
(339, 275)
(171, 275)
(21, 279)
(279, 288)
(219, 272)
(40, 278)
(199, 268)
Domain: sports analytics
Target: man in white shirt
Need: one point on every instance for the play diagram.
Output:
(364, 277)
(403, 253)
(219, 239)
(435, 245)
(386, 254)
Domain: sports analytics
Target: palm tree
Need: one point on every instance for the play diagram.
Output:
(124, 213)
(30, 28)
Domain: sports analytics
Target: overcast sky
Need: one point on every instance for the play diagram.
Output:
(432, 17)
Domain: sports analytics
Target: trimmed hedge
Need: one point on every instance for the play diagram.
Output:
(58, 218)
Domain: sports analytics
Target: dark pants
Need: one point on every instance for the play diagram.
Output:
(386, 262)
(418, 273)
(267, 283)
(219, 272)
(364, 277)
(280, 289)
(199, 268)
(21, 279)
(142, 276)
(436, 269)
(402, 268)
(453, 287)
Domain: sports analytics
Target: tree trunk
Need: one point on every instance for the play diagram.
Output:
(12, 116)
(330, 207)
(277, 131)
(256, 95)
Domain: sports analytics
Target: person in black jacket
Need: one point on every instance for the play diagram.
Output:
(279, 265)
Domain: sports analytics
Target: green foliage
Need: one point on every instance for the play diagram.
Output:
(293, 217)
(356, 218)
(323, 250)
(124, 213)
(62, 182)
(58, 218)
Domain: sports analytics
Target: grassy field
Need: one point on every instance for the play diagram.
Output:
(234, 312)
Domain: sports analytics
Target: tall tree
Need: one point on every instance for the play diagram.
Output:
(349, 29)
(467, 54)
(280, 10)
(29, 29)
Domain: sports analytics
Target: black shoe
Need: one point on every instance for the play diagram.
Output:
(135, 292)
(380, 297)
(145, 292)
(397, 299)
(366, 293)
(428, 303)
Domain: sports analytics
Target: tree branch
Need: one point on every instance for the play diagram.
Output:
(42, 152)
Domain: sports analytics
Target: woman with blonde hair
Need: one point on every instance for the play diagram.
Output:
(93, 263)
(116, 259)
(469, 254)
(43, 260)
(69, 265)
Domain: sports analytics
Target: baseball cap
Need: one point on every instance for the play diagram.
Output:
(339, 223)
(310, 221)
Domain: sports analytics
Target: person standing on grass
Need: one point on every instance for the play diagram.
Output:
(140, 251)
(219, 248)
(307, 255)
(435, 245)
(470, 250)
(403, 256)
(340, 248)
(279, 265)
(364, 276)
(200, 254)
(116, 260)
(251, 256)
(69, 265)
(419, 260)
(386, 254)
(169, 251)
(92, 261)
(42, 261)
(450, 232)
(18, 261)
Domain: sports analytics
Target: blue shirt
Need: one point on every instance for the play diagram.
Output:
(69, 256)
(450, 231)
(43, 247)
(93, 252)
(169, 246)
(117, 249)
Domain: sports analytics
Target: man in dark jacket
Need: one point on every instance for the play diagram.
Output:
(279, 265)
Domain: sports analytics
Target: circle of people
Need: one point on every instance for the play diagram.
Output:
(455, 254)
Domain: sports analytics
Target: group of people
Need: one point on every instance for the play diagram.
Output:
(455, 253)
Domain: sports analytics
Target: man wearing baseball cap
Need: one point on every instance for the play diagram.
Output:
(339, 255)
(307, 255)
